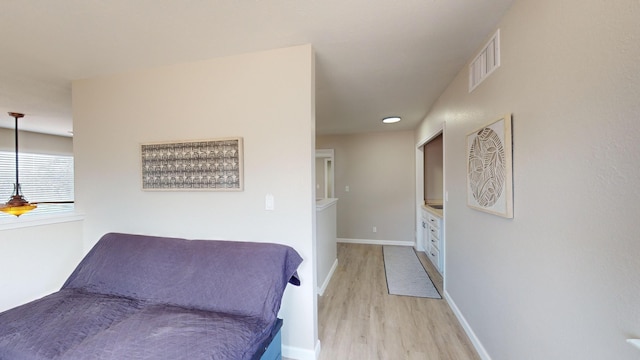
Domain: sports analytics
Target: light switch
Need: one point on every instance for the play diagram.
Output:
(269, 202)
(346, 188)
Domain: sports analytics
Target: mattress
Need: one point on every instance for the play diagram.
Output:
(139, 297)
(73, 324)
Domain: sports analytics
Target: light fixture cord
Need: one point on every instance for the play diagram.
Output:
(16, 118)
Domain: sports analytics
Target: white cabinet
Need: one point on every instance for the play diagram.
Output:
(435, 242)
(424, 246)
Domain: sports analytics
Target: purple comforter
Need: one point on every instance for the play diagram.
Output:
(141, 297)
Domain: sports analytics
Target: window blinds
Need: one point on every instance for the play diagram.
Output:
(42, 178)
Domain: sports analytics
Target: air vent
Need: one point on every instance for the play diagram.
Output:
(485, 62)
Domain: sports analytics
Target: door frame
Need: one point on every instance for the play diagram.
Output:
(420, 193)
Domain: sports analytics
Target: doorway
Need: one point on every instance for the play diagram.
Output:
(325, 178)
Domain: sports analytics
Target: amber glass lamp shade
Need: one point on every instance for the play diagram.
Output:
(17, 205)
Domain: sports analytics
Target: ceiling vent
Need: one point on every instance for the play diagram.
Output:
(485, 62)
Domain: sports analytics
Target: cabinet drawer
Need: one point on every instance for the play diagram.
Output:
(434, 232)
(434, 255)
(434, 221)
(433, 242)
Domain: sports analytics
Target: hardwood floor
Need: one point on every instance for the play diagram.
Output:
(358, 319)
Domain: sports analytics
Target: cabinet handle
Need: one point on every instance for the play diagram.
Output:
(432, 254)
(433, 241)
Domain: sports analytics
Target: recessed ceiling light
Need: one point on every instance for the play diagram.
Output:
(391, 120)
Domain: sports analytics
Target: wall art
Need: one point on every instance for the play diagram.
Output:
(490, 168)
(212, 165)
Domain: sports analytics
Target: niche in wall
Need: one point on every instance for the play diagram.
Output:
(433, 170)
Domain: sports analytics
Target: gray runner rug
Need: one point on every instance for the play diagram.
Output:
(405, 274)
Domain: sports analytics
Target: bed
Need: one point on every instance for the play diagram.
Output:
(145, 297)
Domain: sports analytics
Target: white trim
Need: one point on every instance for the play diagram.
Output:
(325, 203)
(419, 184)
(318, 349)
(376, 242)
(301, 354)
(327, 164)
(17, 222)
(482, 352)
(443, 225)
(325, 153)
(328, 278)
(634, 342)
(440, 130)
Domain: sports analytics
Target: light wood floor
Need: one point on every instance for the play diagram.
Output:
(358, 319)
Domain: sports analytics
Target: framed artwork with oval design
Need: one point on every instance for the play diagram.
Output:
(490, 168)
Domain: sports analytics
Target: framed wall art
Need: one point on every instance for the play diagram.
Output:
(209, 165)
(490, 168)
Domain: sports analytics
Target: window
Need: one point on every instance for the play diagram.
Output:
(42, 178)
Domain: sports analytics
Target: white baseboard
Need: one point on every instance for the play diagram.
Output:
(376, 242)
(328, 278)
(301, 354)
(484, 355)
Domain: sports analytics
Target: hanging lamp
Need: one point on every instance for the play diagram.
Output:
(17, 205)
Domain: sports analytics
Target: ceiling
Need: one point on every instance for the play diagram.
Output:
(374, 58)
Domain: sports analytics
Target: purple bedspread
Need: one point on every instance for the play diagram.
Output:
(141, 297)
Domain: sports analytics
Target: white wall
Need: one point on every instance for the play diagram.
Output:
(379, 169)
(326, 247)
(36, 256)
(35, 143)
(36, 260)
(268, 99)
(560, 280)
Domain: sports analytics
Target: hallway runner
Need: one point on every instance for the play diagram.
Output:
(405, 274)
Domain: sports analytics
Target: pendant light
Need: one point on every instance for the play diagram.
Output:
(17, 205)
